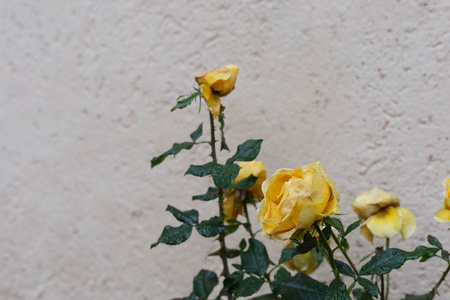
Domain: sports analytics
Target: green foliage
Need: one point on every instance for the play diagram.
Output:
(232, 281)
(247, 151)
(197, 133)
(352, 227)
(248, 287)
(223, 143)
(204, 283)
(184, 101)
(434, 242)
(344, 269)
(370, 287)
(245, 183)
(223, 175)
(286, 254)
(282, 273)
(189, 217)
(299, 287)
(211, 227)
(337, 291)
(445, 255)
(255, 260)
(309, 242)
(211, 194)
(174, 235)
(359, 294)
(336, 223)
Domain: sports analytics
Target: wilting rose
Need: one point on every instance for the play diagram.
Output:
(215, 84)
(303, 263)
(295, 199)
(382, 216)
(443, 215)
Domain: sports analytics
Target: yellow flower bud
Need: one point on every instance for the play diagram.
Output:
(215, 84)
(443, 215)
(295, 199)
(382, 216)
(232, 206)
(302, 263)
(255, 168)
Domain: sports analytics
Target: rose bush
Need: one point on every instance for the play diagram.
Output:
(303, 263)
(443, 215)
(295, 199)
(217, 83)
(382, 216)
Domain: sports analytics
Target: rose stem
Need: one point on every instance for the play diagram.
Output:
(330, 252)
(345, 253)
(388, 274)
(435, 288)
(223, 248)
(249, 227)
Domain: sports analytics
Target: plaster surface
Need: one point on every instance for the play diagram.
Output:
(86, 89)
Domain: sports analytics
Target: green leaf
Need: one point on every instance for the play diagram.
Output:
(248, 287)
(434, 241)
(422, 252)
(359, 294)
(286, 254)
(344, 269)
(223, 175)
(232, 253)
(174, 235)
(184, 101)
(255, 260)
(282, 273)
(299, 287)
(445, 255)
(223, 143)
(416, 297)
(211, 194)
(211, 227)
(337, 291)
(336, 223)
(242, 244)
(197, 133)
(204, 283)
(189, 217)
(344, 243)
(370, 287)
(231, 228)
(352, 227)
(309, 242)
(190, 297)
(247, 151)
(176, 148)
(245, 183)
(232, 281)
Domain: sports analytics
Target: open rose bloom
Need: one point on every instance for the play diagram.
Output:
(443, 215)
(382, 216)
(295, 199)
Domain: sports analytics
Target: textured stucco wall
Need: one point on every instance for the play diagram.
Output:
(85, 92)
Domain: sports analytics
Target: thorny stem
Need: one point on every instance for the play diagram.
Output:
(344, 251)
(330, 252)
(435, 288)
(388, 274)
(223, 248)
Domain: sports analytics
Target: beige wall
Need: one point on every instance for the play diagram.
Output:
(86, 88)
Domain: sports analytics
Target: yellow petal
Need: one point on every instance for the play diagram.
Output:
(320, 189)
(442, 215)
(212, 100)
(386, 223)
(446, 193)
(409, 223)
(365, 232)
(369, 203)
(221, 80)
(255, 168)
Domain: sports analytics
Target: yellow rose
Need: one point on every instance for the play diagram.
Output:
(295, 199)
(443, 215)
(233, 204)
(382, 216)
(215, 84)
(302, 263)
(255, 168)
